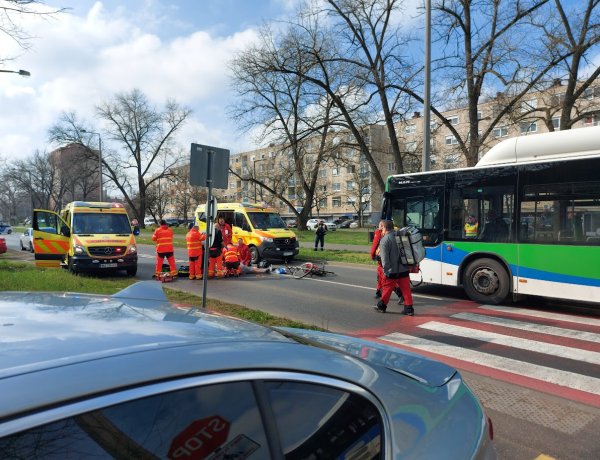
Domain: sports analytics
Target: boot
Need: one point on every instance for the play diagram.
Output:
(380, 307)
(408, 310)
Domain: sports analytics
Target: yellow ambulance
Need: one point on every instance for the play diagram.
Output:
(85, 236)
(261, 228)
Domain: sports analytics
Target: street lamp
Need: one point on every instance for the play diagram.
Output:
(23, 73)
(99, 159)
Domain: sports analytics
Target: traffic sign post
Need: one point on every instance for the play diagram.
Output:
(209, 167)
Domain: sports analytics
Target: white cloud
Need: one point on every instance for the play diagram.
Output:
(77, 62)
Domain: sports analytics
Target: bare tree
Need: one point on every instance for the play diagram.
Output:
(290, 112)
(571, 35)
(187, 196)
(12, 10)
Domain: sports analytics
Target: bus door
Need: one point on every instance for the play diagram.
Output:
(422, 208)
(241, 228)
(51, 238)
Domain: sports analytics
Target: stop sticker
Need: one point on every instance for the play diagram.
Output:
(200, 438)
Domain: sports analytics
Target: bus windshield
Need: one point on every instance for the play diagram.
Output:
(265, 220)
(100, 223)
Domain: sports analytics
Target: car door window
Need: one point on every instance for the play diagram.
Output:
(316, 421)
(190, 423)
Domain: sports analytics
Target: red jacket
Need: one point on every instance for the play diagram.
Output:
(226, 232)
(244, 252)
(163, 236)
(375, 245)
(194, 241)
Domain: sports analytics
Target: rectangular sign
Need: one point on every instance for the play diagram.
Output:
(203, 157)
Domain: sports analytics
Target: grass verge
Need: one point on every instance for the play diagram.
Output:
(21, 276)
(334, 255)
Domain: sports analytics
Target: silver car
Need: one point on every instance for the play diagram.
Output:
(26, 240)
(132, 376)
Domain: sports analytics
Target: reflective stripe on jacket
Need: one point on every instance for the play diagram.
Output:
(230, 253)
(163, 236)
(471, 229)
(194, 241)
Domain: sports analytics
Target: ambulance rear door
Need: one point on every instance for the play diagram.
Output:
(51, 238)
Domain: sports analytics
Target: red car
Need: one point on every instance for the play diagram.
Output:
(2, 246)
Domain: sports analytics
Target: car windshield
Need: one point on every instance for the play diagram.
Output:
(100, 223)
(266, 220)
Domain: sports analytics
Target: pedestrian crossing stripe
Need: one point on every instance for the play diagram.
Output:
(543, 314)
(576, 354)
(554, 376)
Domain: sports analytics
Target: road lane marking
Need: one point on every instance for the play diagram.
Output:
(368, 287)
(522, 368)
(530, 327)
(544, 314)
(575, 354)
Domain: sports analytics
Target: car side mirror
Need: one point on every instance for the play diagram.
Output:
(136, 230)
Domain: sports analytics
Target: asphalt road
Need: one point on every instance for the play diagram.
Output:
(535, 365)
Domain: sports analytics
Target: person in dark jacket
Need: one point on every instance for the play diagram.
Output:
(320, 235)
(215, 261)
(395, 274)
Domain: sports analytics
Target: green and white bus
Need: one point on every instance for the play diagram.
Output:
(524, 220)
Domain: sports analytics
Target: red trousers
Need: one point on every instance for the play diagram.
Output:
(389, 284)
(380, 277)
(196, 267)
(160, 256)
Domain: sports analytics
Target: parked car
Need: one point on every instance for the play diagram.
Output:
(312, 224)
(149, 221)
(223, 386)
(346, 223)
(26, 240)
(353, 224)
(3, 247)
(5, 228)
(291, 223)
(172, 222)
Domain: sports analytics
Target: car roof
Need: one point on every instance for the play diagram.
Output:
(81, 345)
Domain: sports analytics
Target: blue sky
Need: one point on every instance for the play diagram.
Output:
(166, 48)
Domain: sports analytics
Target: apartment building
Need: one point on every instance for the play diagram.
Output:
(345, 185)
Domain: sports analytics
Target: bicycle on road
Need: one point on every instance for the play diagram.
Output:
(308, 269)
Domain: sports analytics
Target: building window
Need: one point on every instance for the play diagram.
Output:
(337, 187)
(253, 158)
(350, 185)
(322, 188)
(392, 167)
(323, 203)
(322, 172)
(501, 131)
(479, 115)
(336, 202)
(451, 159)
(335, 171)
(433, 126)
(529, 106)
(411, 146)
(557, 99)
(556, 123)
(451, 140)
(454, 120)
(271, 154)
(410, 129)
(350, 169)
(262, 156)
(528, 127)
(592, 120)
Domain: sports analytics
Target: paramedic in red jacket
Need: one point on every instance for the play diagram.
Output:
(163, 236)
(225, 231)
(244, 252)
(194, 240)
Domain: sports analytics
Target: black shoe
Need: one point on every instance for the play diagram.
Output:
(378, 294)
(315, 249)
(321, 249)
(380, 307)
(409, 311)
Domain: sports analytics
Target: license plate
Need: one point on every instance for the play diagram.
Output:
(108, 265)
(288, 253)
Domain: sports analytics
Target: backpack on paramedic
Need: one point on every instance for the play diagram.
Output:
(410, 244)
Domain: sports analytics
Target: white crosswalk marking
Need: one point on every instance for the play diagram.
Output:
(546, 374)
(560, 341)
(515, 342)
(544, 314)
(530, 327)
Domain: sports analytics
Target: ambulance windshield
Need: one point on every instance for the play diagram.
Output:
(100, 223)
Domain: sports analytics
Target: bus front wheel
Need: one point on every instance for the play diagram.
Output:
(486, 281)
